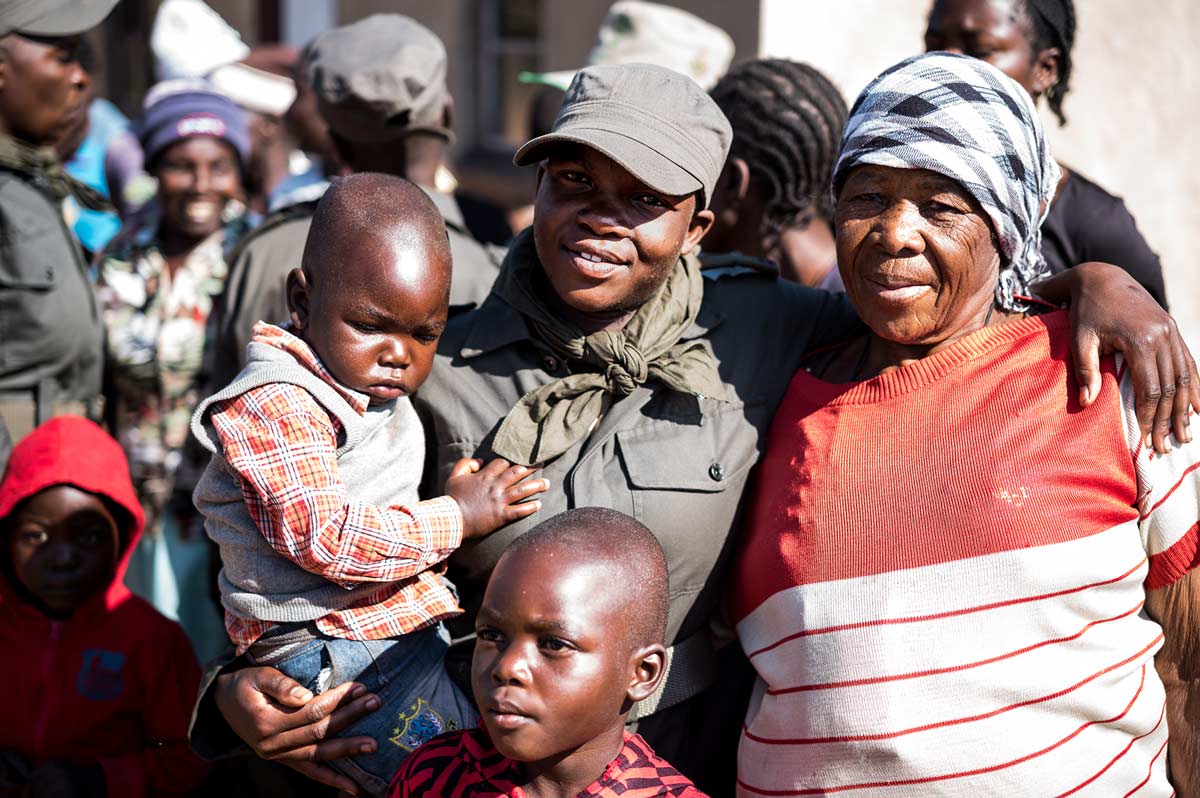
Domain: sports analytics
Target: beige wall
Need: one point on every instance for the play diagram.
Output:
(1132, 107)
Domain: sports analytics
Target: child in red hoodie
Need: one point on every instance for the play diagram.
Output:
(98, 686)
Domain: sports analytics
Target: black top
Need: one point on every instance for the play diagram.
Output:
(1087, 223)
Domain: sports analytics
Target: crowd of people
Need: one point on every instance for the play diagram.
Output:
(786, 446)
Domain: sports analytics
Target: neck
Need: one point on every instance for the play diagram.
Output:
(569, 773)
(884, 355)
(175, 244)
(588, 323)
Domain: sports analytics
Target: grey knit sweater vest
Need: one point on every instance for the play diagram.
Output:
(380, 456)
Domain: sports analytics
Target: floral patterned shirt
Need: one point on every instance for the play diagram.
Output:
(157, 336)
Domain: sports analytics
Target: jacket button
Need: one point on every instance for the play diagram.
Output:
(717, 472)
(550, 362)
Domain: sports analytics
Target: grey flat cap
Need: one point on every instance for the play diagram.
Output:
(379, 79)
(656, 123)
(52, 17)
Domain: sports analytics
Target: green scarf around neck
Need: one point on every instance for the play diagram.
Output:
(44, 170)
(609, 364)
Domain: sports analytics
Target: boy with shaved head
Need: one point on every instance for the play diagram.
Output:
(331, 567)
(563, 652)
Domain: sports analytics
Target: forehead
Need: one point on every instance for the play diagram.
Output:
(59, 503)
(385, 264)
(923, 180)
(555, 585)
(199, 148)
(977, 16)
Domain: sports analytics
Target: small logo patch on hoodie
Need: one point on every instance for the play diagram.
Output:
(100, 676)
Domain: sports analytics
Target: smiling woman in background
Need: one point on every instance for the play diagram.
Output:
(157, 284)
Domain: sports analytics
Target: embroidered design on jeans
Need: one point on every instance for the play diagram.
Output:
(100, 676)
(418, 725)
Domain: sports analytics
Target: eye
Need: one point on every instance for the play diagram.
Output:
(90, 536)
(488, 635)
(571, 176)
(33, 537)
(364, 327)
(427, 338)
(935, 208)
(652, 201)
(554, 645)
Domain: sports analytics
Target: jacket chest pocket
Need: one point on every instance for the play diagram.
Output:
(686, 481)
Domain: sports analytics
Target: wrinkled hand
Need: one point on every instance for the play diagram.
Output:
(284, 723)
(1110, 313)
(492, 495)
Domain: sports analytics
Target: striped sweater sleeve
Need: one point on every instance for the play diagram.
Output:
(1168, 494)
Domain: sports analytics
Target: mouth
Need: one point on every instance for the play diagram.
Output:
(201, 212)
(507, 716)
(387, 390)
(595, 262)
(896, 289)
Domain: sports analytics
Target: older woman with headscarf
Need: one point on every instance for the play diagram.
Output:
(956, 579)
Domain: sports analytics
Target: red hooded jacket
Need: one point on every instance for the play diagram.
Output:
(114, 684)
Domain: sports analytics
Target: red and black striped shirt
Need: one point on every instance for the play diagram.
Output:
(465, 764)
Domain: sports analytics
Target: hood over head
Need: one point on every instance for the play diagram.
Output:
(69, 450)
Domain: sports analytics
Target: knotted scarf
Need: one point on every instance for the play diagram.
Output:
(611, 363)
(44, 170)
(966, 120)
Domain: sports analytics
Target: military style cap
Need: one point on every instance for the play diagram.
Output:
(637, 32)
(379, 79)
(657, 124)
(52, 17)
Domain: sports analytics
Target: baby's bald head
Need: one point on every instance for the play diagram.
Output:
(620, 544)
(370, 221)
(372, 294)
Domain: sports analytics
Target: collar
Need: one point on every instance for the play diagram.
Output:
(280, 337)
(448, 207)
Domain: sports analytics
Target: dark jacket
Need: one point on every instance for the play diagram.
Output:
(50, 330)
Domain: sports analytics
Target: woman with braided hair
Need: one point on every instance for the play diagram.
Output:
(773, 200)
(1031, 41)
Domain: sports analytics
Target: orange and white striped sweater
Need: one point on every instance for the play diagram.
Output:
(942, 581)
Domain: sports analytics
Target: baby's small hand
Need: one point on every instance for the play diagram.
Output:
(492, 495)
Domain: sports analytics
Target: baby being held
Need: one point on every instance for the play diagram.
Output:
(570, 637)
(331, 566)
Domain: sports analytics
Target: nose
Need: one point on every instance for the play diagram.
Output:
(603, 218)
(395, 354)
(202, 180)
(511, 666)
(899, 230)
(61, 556)
(81, 79)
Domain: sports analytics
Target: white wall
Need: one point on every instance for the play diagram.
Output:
(1133, 106)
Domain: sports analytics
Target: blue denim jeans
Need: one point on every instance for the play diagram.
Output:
(419, 701)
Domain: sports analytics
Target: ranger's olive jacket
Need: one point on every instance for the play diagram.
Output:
(50, 330)
(676, 463)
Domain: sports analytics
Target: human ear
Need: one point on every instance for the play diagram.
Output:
(1045, 71)
(732, 187)
(648, 665)
(700, 224)
(297, 292)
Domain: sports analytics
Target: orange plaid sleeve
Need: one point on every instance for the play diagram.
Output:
(283, 445)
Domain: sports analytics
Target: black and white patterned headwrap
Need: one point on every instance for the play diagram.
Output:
(965, 119)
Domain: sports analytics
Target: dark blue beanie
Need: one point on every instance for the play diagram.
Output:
(181, 109)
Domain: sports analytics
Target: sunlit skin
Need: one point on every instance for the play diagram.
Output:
(374, 319)
(197, 177)
(606, 240)
(555, 669)
(996, 31)
(918, 259)
(43, 88)
(62, 546)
